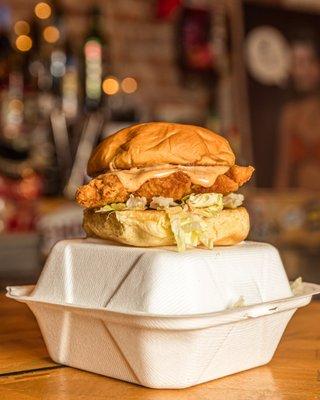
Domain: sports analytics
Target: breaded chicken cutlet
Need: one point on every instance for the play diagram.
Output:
(107, 188)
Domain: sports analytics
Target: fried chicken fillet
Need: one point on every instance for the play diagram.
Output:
(107, 188)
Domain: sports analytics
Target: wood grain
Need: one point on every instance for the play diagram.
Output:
(21, 344)
(293, 374)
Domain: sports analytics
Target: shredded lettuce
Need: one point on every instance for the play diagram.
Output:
(136, 203)
(241, 302)
(189, 229)
(188, 220)
(160, 203)
(297, 287)
(204, 200)
(204, 204)
(133, 203)
(233, 200)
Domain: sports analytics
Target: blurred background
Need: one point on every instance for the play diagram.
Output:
(71, 73)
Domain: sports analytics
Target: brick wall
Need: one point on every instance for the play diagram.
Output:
(141, 46)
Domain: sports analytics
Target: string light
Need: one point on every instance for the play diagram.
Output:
(129, 85)
(51, 34)
(23, 43)
(110, 85)
(21, 28)
(42, 10)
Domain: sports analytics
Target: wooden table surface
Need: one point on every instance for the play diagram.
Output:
(27, 373)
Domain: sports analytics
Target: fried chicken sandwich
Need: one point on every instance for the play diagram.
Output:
(158, 184)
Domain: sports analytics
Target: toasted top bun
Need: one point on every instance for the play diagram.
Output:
(151, 228)
(145, 145)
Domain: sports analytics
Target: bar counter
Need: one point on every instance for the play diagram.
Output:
(27, 373)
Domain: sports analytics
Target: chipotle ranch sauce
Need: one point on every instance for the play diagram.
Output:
(133, 178)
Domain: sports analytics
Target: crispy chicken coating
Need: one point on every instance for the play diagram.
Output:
(107, 188)
(175, 185)
(229, 182)
(102, 190)
(223, 185)
(239, 174)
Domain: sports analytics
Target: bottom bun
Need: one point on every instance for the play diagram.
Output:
(151, 228)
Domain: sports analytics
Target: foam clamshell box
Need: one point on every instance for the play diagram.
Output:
(159, 318)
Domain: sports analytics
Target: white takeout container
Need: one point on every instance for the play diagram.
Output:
(159, 318)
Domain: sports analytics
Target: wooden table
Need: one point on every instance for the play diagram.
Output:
(27, 373)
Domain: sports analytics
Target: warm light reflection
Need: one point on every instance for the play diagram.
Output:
(51, 34)
(42, 10)
(21, 28)
(129, 85)
(16, 104)
(23, 43)
(92, 49)
(110, 86)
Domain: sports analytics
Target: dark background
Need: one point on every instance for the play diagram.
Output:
(265, 102)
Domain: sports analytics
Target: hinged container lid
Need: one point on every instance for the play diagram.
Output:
(94, 273)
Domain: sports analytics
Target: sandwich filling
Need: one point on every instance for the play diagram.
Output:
(167, 181)
(188, 195)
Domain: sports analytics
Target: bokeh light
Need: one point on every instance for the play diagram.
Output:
(21, 28)
(23, 43)
(42, 10)
(51, 34)
(58, 63)
(110, 85)
(129, 85)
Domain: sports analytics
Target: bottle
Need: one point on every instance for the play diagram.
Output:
(54, 34)
(70, 85)
(31, 70)
(20, 184)
(6, 52)
(43, 147)
(12, 103)
(93, 50)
